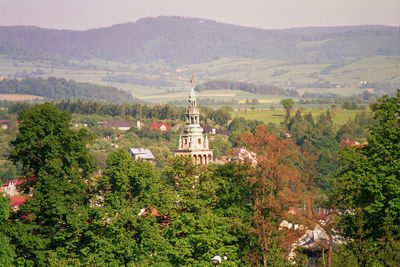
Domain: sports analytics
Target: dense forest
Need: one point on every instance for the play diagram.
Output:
(182, 214)
(61, 89)
(177, 40)
(247, 87)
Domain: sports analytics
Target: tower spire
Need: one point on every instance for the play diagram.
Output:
(192, 94)
(193, 143)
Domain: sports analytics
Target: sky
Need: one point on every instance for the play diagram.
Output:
(265, 14)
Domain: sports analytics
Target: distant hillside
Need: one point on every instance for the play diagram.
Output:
(179, 40)
(61, 89)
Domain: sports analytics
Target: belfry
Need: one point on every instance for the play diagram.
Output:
(193, 143)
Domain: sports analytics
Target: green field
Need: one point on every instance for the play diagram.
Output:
(276, 116)
(347, 76)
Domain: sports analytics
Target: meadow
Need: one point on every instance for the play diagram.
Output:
(339, 116)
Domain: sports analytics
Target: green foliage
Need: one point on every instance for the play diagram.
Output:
(7, 253)
(56, 165)
(368, 186)
(287, 103)
(220, 146)
(199, 227)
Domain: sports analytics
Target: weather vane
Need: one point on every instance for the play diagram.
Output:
(192, 80)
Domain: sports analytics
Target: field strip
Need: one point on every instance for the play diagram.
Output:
(186, 95)
(17, 97)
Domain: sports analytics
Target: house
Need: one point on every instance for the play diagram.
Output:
(5, 124)
(241, 154)
(142, 154)
(163, 127)
(212, 131)
(120, 125)
(10, 187)
(356, 144)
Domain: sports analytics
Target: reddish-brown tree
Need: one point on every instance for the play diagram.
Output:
(276, 185)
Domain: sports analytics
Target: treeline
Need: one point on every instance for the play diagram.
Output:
(206, 102)
(246, 87)
(62, 89)
(133, 111)
(334, 99)
(135, 79)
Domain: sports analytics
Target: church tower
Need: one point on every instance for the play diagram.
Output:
(193, 143)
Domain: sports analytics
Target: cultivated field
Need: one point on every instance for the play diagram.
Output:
(158, 82)
(12, 97)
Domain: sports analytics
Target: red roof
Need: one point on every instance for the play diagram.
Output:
(158, 126)
(15, 181)
(18, 200)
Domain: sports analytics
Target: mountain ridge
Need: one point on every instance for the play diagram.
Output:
(178, 40)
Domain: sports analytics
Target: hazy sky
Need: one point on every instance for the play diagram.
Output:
(267, 14)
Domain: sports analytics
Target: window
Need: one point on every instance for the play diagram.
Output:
(199, 140)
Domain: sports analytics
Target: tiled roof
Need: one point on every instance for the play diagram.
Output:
(209, 130)
(119, 124)
(142, 152)
(15, 181)
(158, 125)
(17, 200)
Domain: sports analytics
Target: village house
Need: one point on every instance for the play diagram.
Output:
(120, 125)
(5, 124)
(163, 127)
(240, 154)
(10, 187)
(142, 154)
(212, 131)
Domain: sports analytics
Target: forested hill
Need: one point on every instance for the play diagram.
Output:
(61, 89)
(187, 40)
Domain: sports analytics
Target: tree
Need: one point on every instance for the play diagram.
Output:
(117, 234)
(197, 230)
(275, 182)
(369, 186)
(287, 104)
(56, 167)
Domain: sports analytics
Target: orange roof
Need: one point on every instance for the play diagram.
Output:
(18, 200)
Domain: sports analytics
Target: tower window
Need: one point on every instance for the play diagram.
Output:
(199, 140)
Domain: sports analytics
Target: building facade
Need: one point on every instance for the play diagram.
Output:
(193, 142)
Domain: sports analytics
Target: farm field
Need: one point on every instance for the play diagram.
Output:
(160, 83)
(276, 116)
(19, 97)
